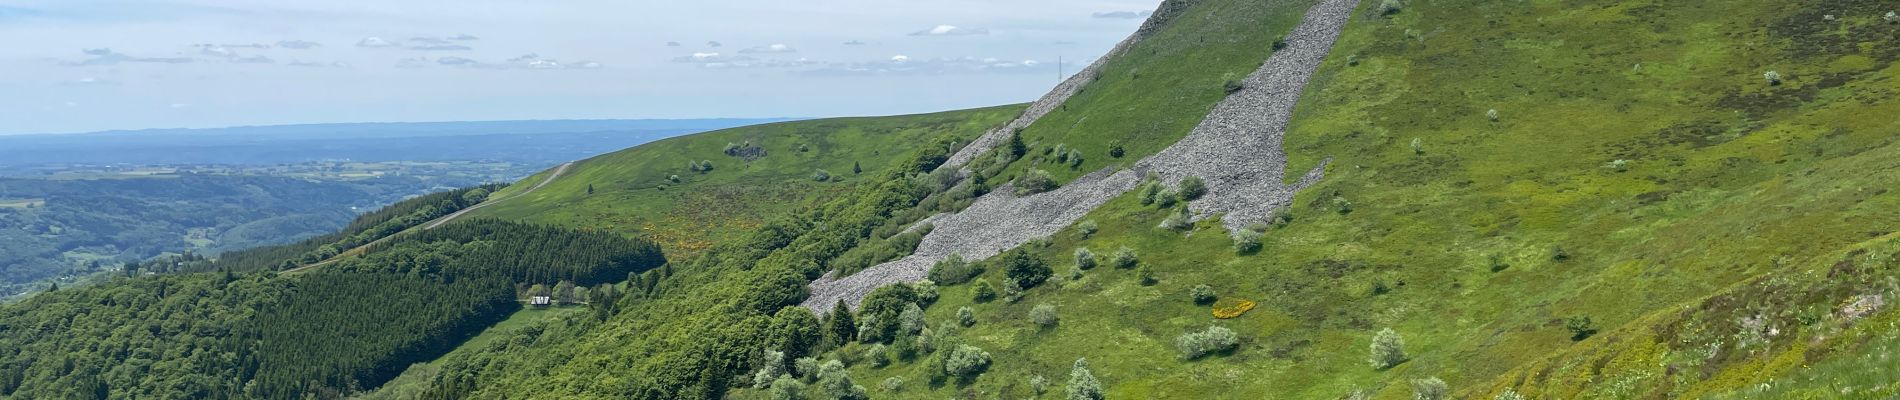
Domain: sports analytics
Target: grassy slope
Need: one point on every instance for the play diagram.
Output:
(417, 378)
(1729, 179)
(1152, 95)
(736, 196)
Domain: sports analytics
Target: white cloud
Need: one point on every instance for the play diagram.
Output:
(854, 43)
(105, 56)
(951, 30)
(374, 42)
(253, 60)
(464, 37)
(176, 106)
(216, 51)
(1123, 14)
(900, 58)
(905, 65)
(774, 48)
(440, 47)
(672, 44)
(298, 44)
(89, 81)
(714, 43)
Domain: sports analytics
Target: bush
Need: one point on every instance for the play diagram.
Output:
(926, 292)
(786, 388)
(1580, 327)
(1388, 349)
(1115, 150)
(1557, 253)
(1508, 394)
(821, 175)
(1619, 165)
(1773, 78)
(966, 361)
(1034, 181)
(1192, 188)
(1125, 258)
(1082, 382)
(837, 384)
(1247, 241)
(1012, 291)
(1213, 340)
(770, 368)
(806, 367)
(1147, 276)
(1038, 385)
(1180, 221)
(910, 321)
(1148, 192)
(1203, 294)
(1492, 115)
(966, 317)
(1086, 229)
(1498, 264)
(1075, 158)
(1084, 258)
(1892, 17)
(1430, 389)
(953, 270)
(893, 384)
(1418, 146)
(1389, 7)
(1344, 206)
(1165, 199)
(1231, 83)
(1025, 269)
(673, 178)
(877, 355)
(1044, 315)
(982, 292)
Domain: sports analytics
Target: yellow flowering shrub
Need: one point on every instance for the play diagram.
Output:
(1230, 307)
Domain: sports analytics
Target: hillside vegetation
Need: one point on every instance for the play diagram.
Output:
(768, 168)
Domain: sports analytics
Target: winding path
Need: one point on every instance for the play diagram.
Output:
(1236, 149)
(558, 171)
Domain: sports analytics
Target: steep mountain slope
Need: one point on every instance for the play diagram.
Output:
(772, 167)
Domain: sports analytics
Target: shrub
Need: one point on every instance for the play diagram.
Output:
(966, 317)
(1025, 269)
(1016, 146)
(1509, 394)
(1231, 83)
(1180, 221)
(893, 384)
(1892, 17)
(1389, 7)
(877, 355)
(1418, 146)
(1492, 114)
(673, 178)
(982, 292)
(1344, 206)
(1387, 349)
(911, 320)
(836, 383)
(1773, 78)
(803, 148)
(1126, 258)
(731, 147)
(1034, 181)
(705, 166)
(1147, 276)
(1580, 327)
(1498, 264)
(1202, 293)
(1213, 340)
(1084, 258)
(1247, 241)
(770, 368)
(1082, 382)
(1115, 150)
(786, 388)
(953, 270)
(1192, 188)
(1620, 165)
(966, 361)
(1086, 228)
(806, 367)
(1165, 199)
(821, 175)
(1038, 385)
(1148, 192)
(1557, 253)
(1430, 389)
(1044, 315)
(1075, 158)
(926, 292)
(1012, 291)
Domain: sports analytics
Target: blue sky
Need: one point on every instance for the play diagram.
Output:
(85, 65)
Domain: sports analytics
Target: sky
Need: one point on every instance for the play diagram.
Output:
(89, 65)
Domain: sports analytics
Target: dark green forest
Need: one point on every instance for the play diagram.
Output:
(80, 226)
(327, 333)
(365, 229)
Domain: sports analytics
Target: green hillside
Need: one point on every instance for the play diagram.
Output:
(633, 195)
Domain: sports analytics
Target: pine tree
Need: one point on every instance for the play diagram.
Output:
(1016, 146)
(855, 169)
(840, 328)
